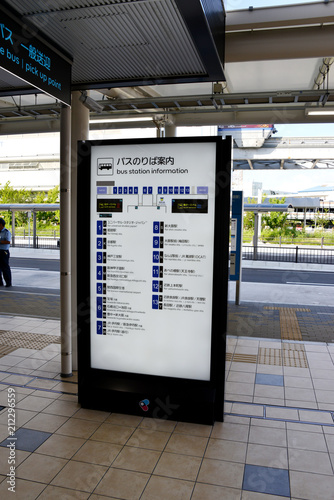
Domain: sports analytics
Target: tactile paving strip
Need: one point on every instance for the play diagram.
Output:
(294, 355)
(289, 322)
(290, 355)
(269, 356)
(15, 340)
(241, 358)
(288, 346)
(245, 358)
(5, 349)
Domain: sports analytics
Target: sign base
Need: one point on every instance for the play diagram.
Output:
(187, 403)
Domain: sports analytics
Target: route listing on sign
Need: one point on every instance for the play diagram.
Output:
(152, 258)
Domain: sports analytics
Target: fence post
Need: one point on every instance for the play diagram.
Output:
(13, 228)
(280, 241)
(322, 242)
(296, 254)
(34, 223)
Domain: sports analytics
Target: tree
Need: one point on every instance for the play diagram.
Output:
(249, 216)
(277, 221)
(52, 197)
(249, 220)
(10, 195)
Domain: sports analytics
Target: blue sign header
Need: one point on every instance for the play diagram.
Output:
(25, 55)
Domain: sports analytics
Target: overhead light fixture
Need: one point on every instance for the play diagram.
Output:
(319, 111)
(89, 103)
(121, 120)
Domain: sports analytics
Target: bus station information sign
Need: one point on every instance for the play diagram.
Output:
(152, 253)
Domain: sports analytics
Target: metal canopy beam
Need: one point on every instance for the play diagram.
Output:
(278, 16)
(280, 106)
(206, 24)
(37, 207)
(290, 43)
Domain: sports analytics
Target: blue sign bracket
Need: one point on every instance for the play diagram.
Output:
(236, 240)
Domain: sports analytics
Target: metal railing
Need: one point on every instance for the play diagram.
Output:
(43, 242)
(297, 254)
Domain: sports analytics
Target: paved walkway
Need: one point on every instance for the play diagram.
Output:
(281, 321)
(278, 311)
(276, 441)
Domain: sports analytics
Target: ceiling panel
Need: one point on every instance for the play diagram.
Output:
(125, 41)
(287, 74)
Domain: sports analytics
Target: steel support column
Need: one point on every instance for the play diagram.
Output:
(34, 229)
(65, 243)
(79, 131)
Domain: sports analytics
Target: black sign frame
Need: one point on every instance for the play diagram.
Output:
(171, 398)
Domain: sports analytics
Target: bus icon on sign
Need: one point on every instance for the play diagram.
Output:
(105, 166)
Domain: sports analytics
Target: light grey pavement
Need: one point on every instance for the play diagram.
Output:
(25, 277)
(35, 295)
(37, 253)
(297, 294)
(249, 292)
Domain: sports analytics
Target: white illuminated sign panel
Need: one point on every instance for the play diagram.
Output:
(151, 271)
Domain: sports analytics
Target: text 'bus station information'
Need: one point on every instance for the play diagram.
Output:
(152, 210)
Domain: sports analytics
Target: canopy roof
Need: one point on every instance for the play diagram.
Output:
(163, 58)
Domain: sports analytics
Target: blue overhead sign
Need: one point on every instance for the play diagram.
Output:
(26, 55)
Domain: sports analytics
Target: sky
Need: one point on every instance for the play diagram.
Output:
(290, 181)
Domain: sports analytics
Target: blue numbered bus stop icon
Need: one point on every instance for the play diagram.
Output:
(156, 242)
(99, 307)
(155, 302)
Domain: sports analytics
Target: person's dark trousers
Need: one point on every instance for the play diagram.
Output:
(4, 266)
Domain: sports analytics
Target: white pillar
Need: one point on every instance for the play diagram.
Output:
(65, 242)
(79, 132)
(160, 131)
(170, 130)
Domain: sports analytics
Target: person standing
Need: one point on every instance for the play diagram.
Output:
(5, 239)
